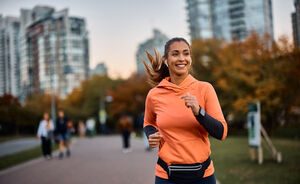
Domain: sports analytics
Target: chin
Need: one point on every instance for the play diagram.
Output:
(181, 73)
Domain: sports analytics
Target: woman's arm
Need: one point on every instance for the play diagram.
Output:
(212, 119)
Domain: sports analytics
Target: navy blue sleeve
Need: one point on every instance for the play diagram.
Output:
(213, 127)
(149, 130)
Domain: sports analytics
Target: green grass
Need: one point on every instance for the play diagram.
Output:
(233, 165)
(23, 156)
(14, 137)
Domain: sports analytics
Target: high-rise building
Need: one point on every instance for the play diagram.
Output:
(9, 56)
(54, 46)
(157, 41)
(100, 69)
(229, 19)
(296, 23)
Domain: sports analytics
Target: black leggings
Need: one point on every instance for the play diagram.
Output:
(46, 146)
(126, 136)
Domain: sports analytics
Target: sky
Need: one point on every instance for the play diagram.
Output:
(117, 27)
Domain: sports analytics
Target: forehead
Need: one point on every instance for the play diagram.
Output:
(181, 45)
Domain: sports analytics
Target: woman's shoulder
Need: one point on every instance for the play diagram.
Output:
(153, 91)
(42, 121)
(204, 84)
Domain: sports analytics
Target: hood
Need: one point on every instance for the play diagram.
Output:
(186, 83)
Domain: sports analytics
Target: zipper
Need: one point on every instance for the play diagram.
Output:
(184, 168)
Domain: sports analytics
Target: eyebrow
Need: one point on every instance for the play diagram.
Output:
(178, 50)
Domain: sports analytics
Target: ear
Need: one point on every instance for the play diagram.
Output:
(165, 61)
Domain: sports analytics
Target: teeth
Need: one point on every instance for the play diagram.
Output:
(180, 65)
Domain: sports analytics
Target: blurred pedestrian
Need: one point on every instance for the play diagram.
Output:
(62, 131)
(81, 129)
(45, 133)
(90, 127)
(180, 113)
(125, 126)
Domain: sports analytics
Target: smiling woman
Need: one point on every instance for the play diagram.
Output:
(180, 113)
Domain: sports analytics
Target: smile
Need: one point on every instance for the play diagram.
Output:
(181, 65)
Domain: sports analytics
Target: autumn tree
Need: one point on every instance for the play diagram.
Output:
(10, 114)
(84, 101)
(257, 69)
(129, 97)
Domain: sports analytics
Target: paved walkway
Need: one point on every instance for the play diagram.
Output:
(96, 160)
(13, 146)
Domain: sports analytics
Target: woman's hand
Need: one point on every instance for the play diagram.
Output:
(154, 139)
(191, 102)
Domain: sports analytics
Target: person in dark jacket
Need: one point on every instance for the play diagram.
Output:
(125, 126)
(61, 130)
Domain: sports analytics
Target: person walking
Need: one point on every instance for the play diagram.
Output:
(90, 126)
(125, 126)
(63, 134)
(45, 132)
(81, 129)
(180, 113)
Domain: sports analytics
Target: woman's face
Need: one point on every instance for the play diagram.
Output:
(179, 58)
(46, 116)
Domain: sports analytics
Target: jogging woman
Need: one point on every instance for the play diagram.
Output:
(180, 113)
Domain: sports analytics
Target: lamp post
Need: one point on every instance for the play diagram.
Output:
(103, 113)
(52, 91)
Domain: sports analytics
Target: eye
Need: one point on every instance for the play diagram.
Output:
(174, 54)
(186, 53)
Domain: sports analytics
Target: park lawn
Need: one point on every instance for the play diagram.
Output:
(233, 165)
(22, 156)
(14, 137)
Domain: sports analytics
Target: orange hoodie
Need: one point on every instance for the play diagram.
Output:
(185, 140)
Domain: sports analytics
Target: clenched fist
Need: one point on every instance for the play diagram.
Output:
(154, 139)
(191, 102)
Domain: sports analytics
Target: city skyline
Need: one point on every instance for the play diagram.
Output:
(116, 28)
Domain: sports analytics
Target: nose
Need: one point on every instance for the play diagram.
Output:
(181, 57)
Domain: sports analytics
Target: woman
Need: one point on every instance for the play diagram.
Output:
(45, 132)
(180, 114)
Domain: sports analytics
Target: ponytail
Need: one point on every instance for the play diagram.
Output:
(158, 70)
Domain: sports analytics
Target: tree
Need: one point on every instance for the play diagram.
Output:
(84, 101)
(10, 114)
(129, 97)
(254, 70)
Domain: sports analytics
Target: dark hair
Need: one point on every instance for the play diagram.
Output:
(169, 43)
(159, 69)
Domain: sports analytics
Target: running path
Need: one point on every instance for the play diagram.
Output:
(97, 160)
(93, 160)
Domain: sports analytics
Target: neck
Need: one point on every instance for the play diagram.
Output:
(177, 79)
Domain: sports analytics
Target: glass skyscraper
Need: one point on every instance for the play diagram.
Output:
(9, 56)
(296, 23)
(157, 41)
(54, 45)
(229, 19)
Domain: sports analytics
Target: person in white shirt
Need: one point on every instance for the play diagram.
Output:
(45, 133)
(90, 125)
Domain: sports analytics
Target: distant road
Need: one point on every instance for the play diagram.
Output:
(13, 146)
